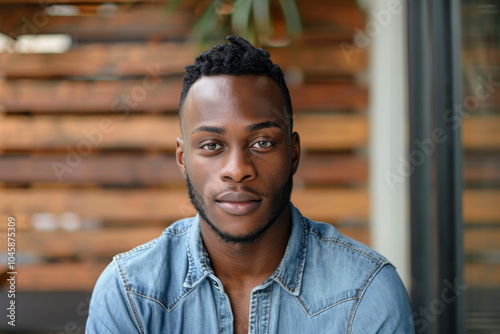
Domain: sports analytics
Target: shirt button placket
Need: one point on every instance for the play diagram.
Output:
(259, 312)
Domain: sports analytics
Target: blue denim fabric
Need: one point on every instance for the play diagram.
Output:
(325, 283)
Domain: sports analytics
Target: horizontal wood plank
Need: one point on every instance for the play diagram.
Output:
(138, 23)
(481, 132)
(346, 16)
(481, 206)
(154, 22)
(59, 276)
(21, 222)
(329, 96)
(83, 244)
(152, 169)
(131, 59)
(482, 240)
(153, 93)
(482, 169)
(325, 132)
(102, 60)
(72, 2)
(90, 133)
(482, 274)
(113, 169)
(121, 97)
(330, 205)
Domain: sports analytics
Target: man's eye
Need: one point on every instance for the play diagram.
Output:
(211, 146)
(262, 144)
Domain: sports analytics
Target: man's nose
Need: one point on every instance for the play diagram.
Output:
(238, 166)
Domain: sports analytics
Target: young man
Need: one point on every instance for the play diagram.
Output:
(248, 262)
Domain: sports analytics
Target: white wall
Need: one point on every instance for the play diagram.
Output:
(388, 145)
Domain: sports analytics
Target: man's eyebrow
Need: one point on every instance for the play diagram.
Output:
(212, 129)
(264, 125)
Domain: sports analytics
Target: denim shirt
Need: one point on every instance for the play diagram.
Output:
(325, 283)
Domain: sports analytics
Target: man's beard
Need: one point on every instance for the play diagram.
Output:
(279, 203)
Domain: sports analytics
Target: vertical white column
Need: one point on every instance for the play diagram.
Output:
(388, 146)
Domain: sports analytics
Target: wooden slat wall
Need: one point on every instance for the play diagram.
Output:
(481, 141)
(481, 110)
(114, 98)
(107, 110)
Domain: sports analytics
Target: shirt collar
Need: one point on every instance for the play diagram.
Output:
(290, 270)
(288, 274)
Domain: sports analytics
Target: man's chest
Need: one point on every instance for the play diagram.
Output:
(240, 306)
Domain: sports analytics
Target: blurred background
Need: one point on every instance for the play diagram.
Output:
(89, 92)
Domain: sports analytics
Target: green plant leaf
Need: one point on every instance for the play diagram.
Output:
(292, 17)
(207, 22)
(173, 5)
(262, 17)
(241, 16)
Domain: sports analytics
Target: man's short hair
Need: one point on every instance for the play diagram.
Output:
(238, 57)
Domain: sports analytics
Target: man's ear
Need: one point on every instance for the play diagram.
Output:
(295, 143)
(179, 156)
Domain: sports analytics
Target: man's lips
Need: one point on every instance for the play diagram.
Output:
(238, 203)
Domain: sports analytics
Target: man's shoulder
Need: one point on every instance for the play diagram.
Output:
(326, 236)
(170, 238)
(337, 269)
(141, 268)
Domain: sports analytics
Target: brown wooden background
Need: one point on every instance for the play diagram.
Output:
(125, 187)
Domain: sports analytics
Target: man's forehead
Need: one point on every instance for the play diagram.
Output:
(222, 100)
(226, 84)
(231, 89)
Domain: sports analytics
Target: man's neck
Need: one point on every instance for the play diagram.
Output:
(248, 264)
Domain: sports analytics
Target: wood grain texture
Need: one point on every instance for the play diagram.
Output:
(83, 244)
(65, 276)
(324, 132)
(482, 240)
(139, 23)
(482, 169)
(482, 274)
(152, 94)
(481, 205)
(132, 59)
(481, 132)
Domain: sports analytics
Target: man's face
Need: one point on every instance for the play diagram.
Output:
(237, 154)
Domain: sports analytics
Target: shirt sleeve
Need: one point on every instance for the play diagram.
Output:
(109, 310)
(384, 306)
